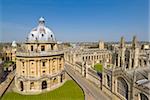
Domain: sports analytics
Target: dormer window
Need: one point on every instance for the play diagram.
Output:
(32, 35)
(42, 35)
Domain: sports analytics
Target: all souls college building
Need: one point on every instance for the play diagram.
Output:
(39, 62)
(126, 68)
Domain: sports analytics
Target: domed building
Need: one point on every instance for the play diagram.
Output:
(8, 52)
(39, 62)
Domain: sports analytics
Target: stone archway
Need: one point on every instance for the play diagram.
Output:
(31, 85)
(143, 97)
(21, 86)
(122, 87)
(44, 85)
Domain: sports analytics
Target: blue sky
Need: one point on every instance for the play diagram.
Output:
(76, 20)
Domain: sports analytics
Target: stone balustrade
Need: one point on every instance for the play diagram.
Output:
(39, 53)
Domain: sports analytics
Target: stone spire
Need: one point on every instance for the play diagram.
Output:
(122, 42)
(135, 51)
(134, 42)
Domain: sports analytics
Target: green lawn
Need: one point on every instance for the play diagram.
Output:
(69, 91)
(98, 67)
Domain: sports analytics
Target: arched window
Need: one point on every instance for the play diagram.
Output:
(31, 85)
(31, 48)
(44, 85)
(51, 36)
(83, 58)
(61, 78)
(32, 35)
(42, 35)
(108, 81)
(86, 58)
(21, 86)
(122, 87)
(42, 48)
(140, 62)
(143, 96)
(54, 80)
(145, 63)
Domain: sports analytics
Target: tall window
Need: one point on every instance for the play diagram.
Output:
(108, 81)
(51, 47)
(31, 85)
(132, 63)
(44, 85)
(22, 63)
(43, 63)
(42, 48)
(143, 96)
(32, 48)
(122, 87)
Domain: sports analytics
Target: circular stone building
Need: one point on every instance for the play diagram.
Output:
(39, 62)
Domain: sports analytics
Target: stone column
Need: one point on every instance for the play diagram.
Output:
(82, 67)
(28, 68)
(130, 61)
(59, 79)
(48, 84)
(57, 65)
(51, 64)
(40, 67)
(36, 68)
(62, 62)
(28, 86)
(113, 82)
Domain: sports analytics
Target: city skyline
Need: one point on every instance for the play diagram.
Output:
(74, 20)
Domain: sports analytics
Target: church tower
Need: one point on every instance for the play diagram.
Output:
(101, 45)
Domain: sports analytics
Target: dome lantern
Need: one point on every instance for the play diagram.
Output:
(41, 21)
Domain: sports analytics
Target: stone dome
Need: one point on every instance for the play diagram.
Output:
(41, 32)
(14, 44)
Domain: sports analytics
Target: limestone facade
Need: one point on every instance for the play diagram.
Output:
(127, 78)
(88, 56)
(39, 62)
(9, 53)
